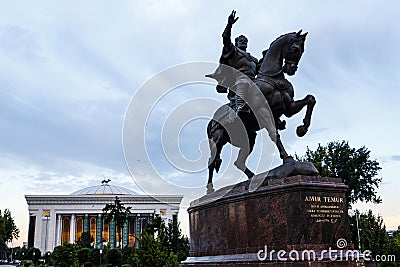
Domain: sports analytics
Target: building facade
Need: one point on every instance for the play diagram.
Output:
(58, 219)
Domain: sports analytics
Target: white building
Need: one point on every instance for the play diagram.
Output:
(58, 219)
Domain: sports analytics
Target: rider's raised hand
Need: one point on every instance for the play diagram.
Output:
(232, 19)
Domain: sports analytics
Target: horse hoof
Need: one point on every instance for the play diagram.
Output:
(249, 173)
(301, 131)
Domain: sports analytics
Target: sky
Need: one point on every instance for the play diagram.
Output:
(92, 90)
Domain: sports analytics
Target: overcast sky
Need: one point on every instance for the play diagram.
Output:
(69, 71)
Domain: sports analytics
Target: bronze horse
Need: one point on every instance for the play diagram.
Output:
(271, 97)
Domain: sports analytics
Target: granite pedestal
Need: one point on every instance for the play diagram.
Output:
(235, 225)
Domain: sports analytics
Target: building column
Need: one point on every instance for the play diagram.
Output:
(112, 233)
(86, 223)
(99, 231)
(125, 234)
(31, 231)
(72, 230)
(138, 229)
(59, 230)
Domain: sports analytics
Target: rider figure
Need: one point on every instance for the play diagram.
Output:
(238, 58)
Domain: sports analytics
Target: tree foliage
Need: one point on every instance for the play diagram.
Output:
(160, 245)
(94, 256)
(151, 251)
(114, 257)
(8, 229)
(119, 213)
(178, 244)
(65, 254)
(354, 166)
(373, 235)
(33, 254)
(394, 246)
(129, 256)
(85, 240)
(83, 255)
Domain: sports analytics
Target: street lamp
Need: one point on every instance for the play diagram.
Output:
(47, 224)
(358, 230)
(101, 252)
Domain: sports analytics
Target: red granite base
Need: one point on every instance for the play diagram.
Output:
(292, 213)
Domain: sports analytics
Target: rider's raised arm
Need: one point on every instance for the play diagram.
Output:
(226, 35)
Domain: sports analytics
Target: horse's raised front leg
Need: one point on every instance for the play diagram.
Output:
(296, 107)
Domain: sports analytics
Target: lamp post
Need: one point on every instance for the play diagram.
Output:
(358, 230)
(33, 256)
(45, 238)
(101, 252)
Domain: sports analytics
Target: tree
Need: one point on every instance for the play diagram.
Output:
(160, 245)
(129, 256)
(114, 257)
(8, 229)
(94, 256)
(85, 240)
(373, 235)
(178, 244)
(33, 254)
(83, 255)
(119, 213)
(354, 166)
(151, 251)
(64, 255)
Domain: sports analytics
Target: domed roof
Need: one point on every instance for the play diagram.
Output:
(104, 189)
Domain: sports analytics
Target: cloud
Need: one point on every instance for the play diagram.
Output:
(68, 73)
(395, 157)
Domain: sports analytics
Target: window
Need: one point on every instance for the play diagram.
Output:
(79, 227)
(131, 232)
(92, 227)
(66, 224)
(106, 231)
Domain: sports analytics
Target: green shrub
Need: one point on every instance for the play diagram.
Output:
(88, 264)
(83, 255)
(94, 256)
(114, 257)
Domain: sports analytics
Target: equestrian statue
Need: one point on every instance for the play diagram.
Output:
(259, 95)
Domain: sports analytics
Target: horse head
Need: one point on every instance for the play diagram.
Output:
(283, 54)
(292, 52)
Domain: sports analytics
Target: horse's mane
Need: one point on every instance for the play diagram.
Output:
(272, 44)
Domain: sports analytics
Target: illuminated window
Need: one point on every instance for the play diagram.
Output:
(106, 231)
(92, 227)
(131, 232)
(79, 227)
(118, 233)
(66, 224)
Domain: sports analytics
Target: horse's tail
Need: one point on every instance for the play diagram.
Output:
(214, 143)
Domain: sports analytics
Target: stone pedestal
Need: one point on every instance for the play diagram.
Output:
(235, 225)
